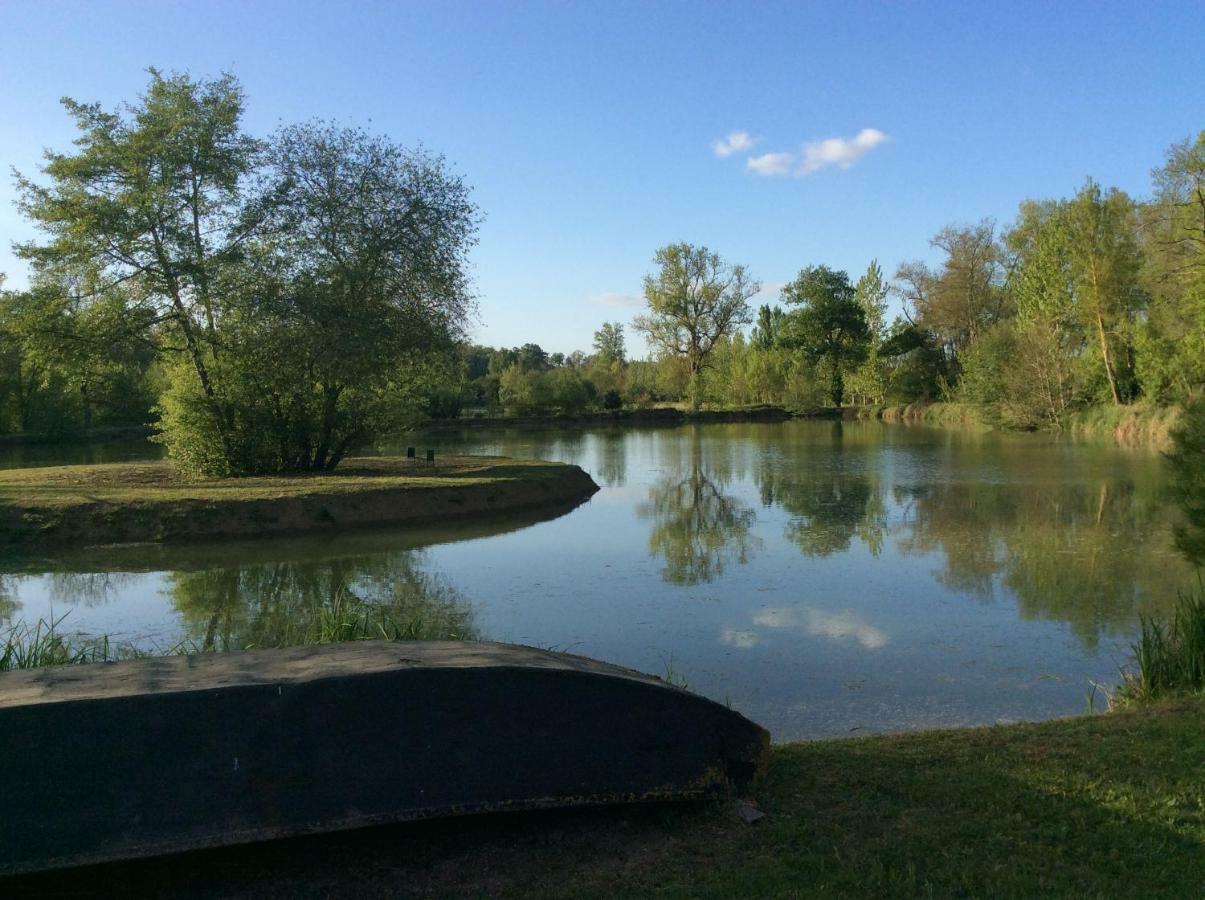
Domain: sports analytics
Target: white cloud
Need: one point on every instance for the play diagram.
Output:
(820, 623)
(817, 155)
(839, 626)
(742, 640)
(614, 298)
(840, 152)
(771, 163)
(735, 142)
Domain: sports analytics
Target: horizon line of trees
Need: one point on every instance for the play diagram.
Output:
(273, 304)
(1093, 299)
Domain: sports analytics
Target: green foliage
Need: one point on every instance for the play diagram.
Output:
(25, 646)
(609, 344)
(868, 382)
(695, 300)
(1020, 375)
(1103, 262)
(522, 392)
(295, 292)
(1170, 657)
(916, 368)
(67, 366)
(281, 302)
(149, 210)
(768, 330)
(744, 374)
(561, 390)
(830, 325)
(1171, 343)
(964, 297)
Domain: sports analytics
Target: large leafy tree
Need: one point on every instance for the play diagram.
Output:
(149, 209)
(965, 296)
(1171, 357)
(869, 381)
(695, 300)
(766, 332)
(829, 325)
(609, 343)
(1104, 261)
(295, 291)
(352, 294)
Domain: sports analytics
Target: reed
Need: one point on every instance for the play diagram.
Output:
(1169, 656)
(44, 643)
(26, 646)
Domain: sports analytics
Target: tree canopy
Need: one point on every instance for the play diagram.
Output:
(829, 325)
(695, 299)
(290, 287)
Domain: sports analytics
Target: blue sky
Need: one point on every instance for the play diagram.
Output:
(588, 129)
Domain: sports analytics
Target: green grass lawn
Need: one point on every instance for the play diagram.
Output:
(138, 502)
(151, 481)
(1111, 805)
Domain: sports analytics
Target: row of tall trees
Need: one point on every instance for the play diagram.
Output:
(1093, 299)
(272, 304)
(830, 345)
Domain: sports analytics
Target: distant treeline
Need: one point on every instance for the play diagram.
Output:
(1097, 299)
(1093, 300)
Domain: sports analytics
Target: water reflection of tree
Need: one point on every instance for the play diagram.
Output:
(90, 588)
(284, 603)
(612, 463)
(829, 512)
(9, 604)
(1094, 555)
(697, 528)
(832, 503)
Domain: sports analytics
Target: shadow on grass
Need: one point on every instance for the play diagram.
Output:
(1095, 807)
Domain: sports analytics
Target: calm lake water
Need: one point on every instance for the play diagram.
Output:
(822, 578)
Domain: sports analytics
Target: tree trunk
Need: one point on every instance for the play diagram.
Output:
(87, 401)
(1104, 340)
(1104, 352)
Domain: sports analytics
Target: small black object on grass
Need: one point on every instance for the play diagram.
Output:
(431, 457)
(409, 453)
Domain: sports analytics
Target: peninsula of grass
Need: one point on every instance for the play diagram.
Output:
(150, 501)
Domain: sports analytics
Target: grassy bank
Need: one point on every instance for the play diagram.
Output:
(125, 502)
(1099, 806)
(950, 414)
(1137, 425)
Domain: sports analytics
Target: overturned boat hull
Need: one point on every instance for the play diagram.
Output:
(131, 759)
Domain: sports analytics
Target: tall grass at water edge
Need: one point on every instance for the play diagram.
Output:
(1169, 656)
(25, 646)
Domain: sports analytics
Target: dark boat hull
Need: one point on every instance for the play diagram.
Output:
(131, 759)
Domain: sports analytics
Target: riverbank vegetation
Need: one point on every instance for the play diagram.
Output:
(1071, 808)
(130, 502)
(1169, 655)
